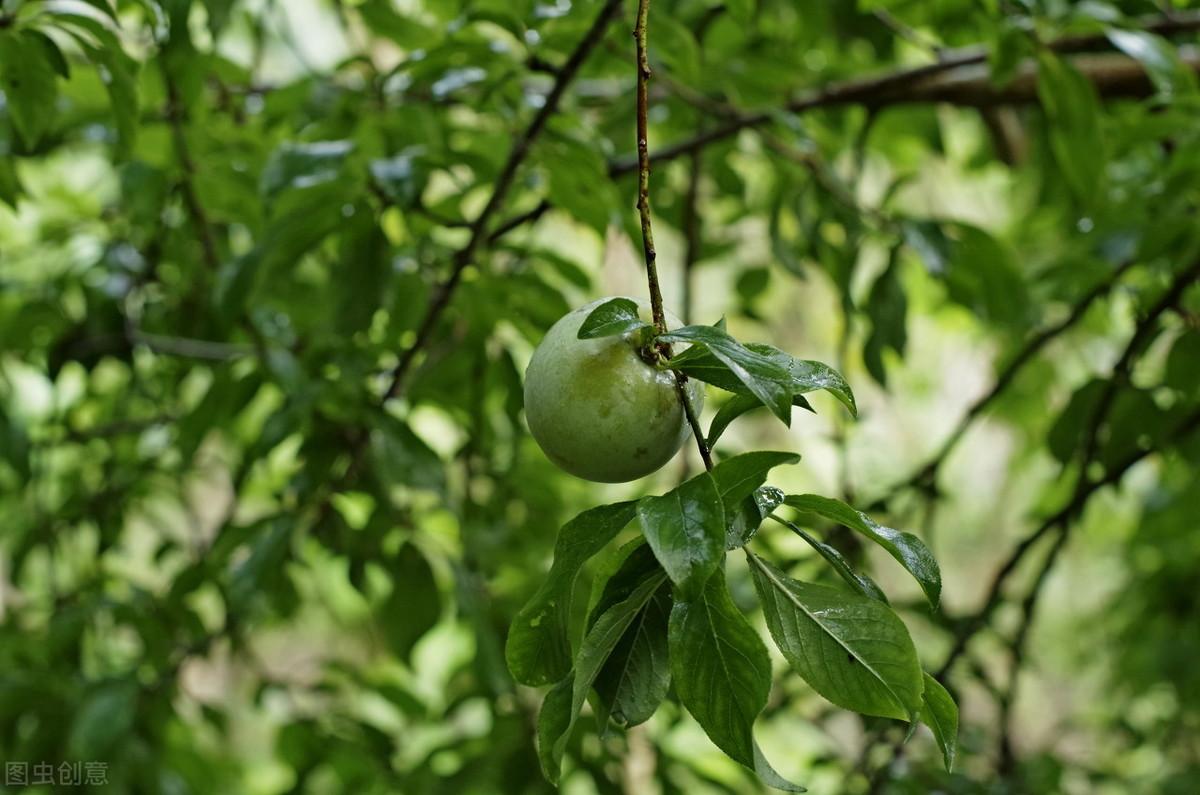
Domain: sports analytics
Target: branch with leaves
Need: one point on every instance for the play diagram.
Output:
(665, 616)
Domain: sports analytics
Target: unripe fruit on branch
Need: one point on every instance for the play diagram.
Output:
(597, 409)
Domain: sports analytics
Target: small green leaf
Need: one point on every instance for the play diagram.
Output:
(1159, 58)
(940, 713)
(554, 719)
(413, 607)
(27, 78)
(538, 650)
(401, 177)
(738, 405)
(104, 7)
(766, 380)
(637, 675)
(803, 375)
(1073, 111)
(599, 642)
(398, 455)
(887, 306)
(722, 674)
(739, 476)
(303, 165)
(10, 183)
(906, 548)
(860, 582)
(613, 317)
(686, 529)
(103, 720)
(118, 72)
(743, 520)
(852, 650)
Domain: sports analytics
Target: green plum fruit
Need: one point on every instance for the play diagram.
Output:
(597, 409)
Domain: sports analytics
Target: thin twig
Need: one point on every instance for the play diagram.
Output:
(643, 153)
(640, 32)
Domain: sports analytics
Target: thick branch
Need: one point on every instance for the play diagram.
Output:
(960, 77)
(479, 227)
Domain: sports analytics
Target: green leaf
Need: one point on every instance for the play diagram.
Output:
(413, 607)
(104, 6)
(686, 529)
(906, 548)
(766, 380)
(53, 53)
(27, 78)
(748, 515)
(303, 165)
(1159, 58)
(637, 675)
(398, 455)
(887, 306)
(860, 582)
(599, 642)
(803, 375)
(722, 674)
(538, 650)
(635, 678)
(613, 317)
(940, 713)
(852, 650)
(738, 405)
(554, 719)
(10, 182)
(1073, 111)
(401, 177)
(738, 477)
(118, 72)
(104, 719)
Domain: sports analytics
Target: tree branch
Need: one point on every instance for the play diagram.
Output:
(479, 227)
(960, 77)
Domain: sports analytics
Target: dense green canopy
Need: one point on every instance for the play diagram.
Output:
(270, 516)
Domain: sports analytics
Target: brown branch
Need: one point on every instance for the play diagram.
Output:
(444, 291)
(519, 220)
(643, 161)
(960, 77)
(640, 32)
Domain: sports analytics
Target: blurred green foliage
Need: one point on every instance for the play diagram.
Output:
(229, 564)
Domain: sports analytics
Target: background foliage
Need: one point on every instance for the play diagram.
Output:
(270, 273)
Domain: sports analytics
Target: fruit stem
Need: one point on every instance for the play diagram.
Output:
(643, 206)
